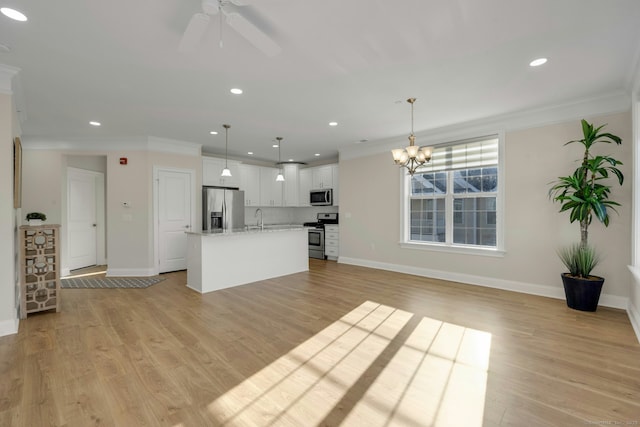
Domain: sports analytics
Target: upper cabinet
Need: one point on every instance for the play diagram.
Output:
(291, 185)
(250, 184)
(260, 186)
(304, 186)
(322, 177)
(270, 189)
(336, 181)
(212, 170)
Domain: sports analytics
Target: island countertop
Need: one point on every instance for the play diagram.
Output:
(250, 229)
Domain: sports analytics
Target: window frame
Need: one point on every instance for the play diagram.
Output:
(448, 246)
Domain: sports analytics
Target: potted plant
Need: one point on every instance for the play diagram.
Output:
(36, 218)
(585, 194)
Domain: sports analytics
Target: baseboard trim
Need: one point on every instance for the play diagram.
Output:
(65, 272)
(9, 326)
(613, 301)
(130, 272)
(634, 318)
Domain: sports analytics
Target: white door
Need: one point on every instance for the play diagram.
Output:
(174, 218)
(81, 218)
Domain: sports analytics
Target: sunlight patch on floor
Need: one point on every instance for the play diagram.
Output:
(437, 378)
(437, 375)
(100, 270)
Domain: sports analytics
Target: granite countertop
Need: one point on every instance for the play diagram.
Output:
(253, 229)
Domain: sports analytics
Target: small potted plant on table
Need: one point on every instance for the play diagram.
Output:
(36, 218)
(586, 194)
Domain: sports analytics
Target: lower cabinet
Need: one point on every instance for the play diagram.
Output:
(331, 241)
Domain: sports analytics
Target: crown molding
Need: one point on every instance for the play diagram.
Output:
(608, 104)
(7, 72)
(104, 145)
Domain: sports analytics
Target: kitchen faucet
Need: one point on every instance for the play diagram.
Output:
(259, 223)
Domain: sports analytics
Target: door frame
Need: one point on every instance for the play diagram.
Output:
(101, 229)
(156, 208)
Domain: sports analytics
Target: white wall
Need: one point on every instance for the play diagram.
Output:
(88, 162)
(8, 315)
(634, 292)
(370, 217)
(129, 229)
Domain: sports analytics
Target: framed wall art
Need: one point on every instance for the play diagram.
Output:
(17, 173)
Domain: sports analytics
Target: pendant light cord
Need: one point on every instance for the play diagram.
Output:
(226, 145)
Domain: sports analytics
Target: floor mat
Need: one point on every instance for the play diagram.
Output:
(109, 282)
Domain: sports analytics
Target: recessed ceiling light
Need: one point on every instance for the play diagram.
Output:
(333, 123)
(275, 145)
(250, 153)
(537, 62)
(13, 14)
(213, 132)
(236, 91)
(93, 123)
(317, 154)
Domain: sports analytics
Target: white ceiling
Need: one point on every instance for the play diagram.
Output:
(354, 62)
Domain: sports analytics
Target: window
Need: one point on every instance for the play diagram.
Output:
(453, 201)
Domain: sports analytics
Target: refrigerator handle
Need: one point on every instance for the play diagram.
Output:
(224, 213)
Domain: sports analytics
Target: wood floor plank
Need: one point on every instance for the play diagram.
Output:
(337, 345)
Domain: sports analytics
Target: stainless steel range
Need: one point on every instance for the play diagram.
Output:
(316, 234)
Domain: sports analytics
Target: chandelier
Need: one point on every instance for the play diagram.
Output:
(413, 156)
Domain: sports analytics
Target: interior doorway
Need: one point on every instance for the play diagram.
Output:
(85, 212)
(174, 212)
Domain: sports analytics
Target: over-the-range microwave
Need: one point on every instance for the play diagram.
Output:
(322, 197)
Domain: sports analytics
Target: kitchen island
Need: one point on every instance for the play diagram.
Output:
(222, 259)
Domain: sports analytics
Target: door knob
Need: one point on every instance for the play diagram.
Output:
(95, 225)
(187, 226)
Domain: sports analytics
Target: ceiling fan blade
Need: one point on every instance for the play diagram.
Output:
(210, 7)
(194, 32)
(253, 34)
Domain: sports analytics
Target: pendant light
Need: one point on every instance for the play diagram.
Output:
(413, 156)
(280, 177)
(226, 171)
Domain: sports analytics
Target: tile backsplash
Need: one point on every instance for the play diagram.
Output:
(286, 215)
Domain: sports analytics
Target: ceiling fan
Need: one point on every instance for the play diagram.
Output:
(229, 9)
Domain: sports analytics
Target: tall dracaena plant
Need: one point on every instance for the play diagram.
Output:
(585, 193)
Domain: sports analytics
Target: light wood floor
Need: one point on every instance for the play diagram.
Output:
(338, 345)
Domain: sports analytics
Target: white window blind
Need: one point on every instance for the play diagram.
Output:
(465, 155)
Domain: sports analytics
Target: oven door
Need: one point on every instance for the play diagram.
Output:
(316, 243)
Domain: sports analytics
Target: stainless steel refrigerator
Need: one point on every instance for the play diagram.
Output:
(222, 208)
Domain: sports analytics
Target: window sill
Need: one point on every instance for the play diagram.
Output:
(466, 250)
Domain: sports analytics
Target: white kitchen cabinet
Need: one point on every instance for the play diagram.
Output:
(212, 169)
(250, 184)
(270, 189)
(291, 187)
(304, 186)
(336, 181)
(322, 177)
(331, 241)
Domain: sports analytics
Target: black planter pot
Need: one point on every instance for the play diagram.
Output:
(582, 294)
